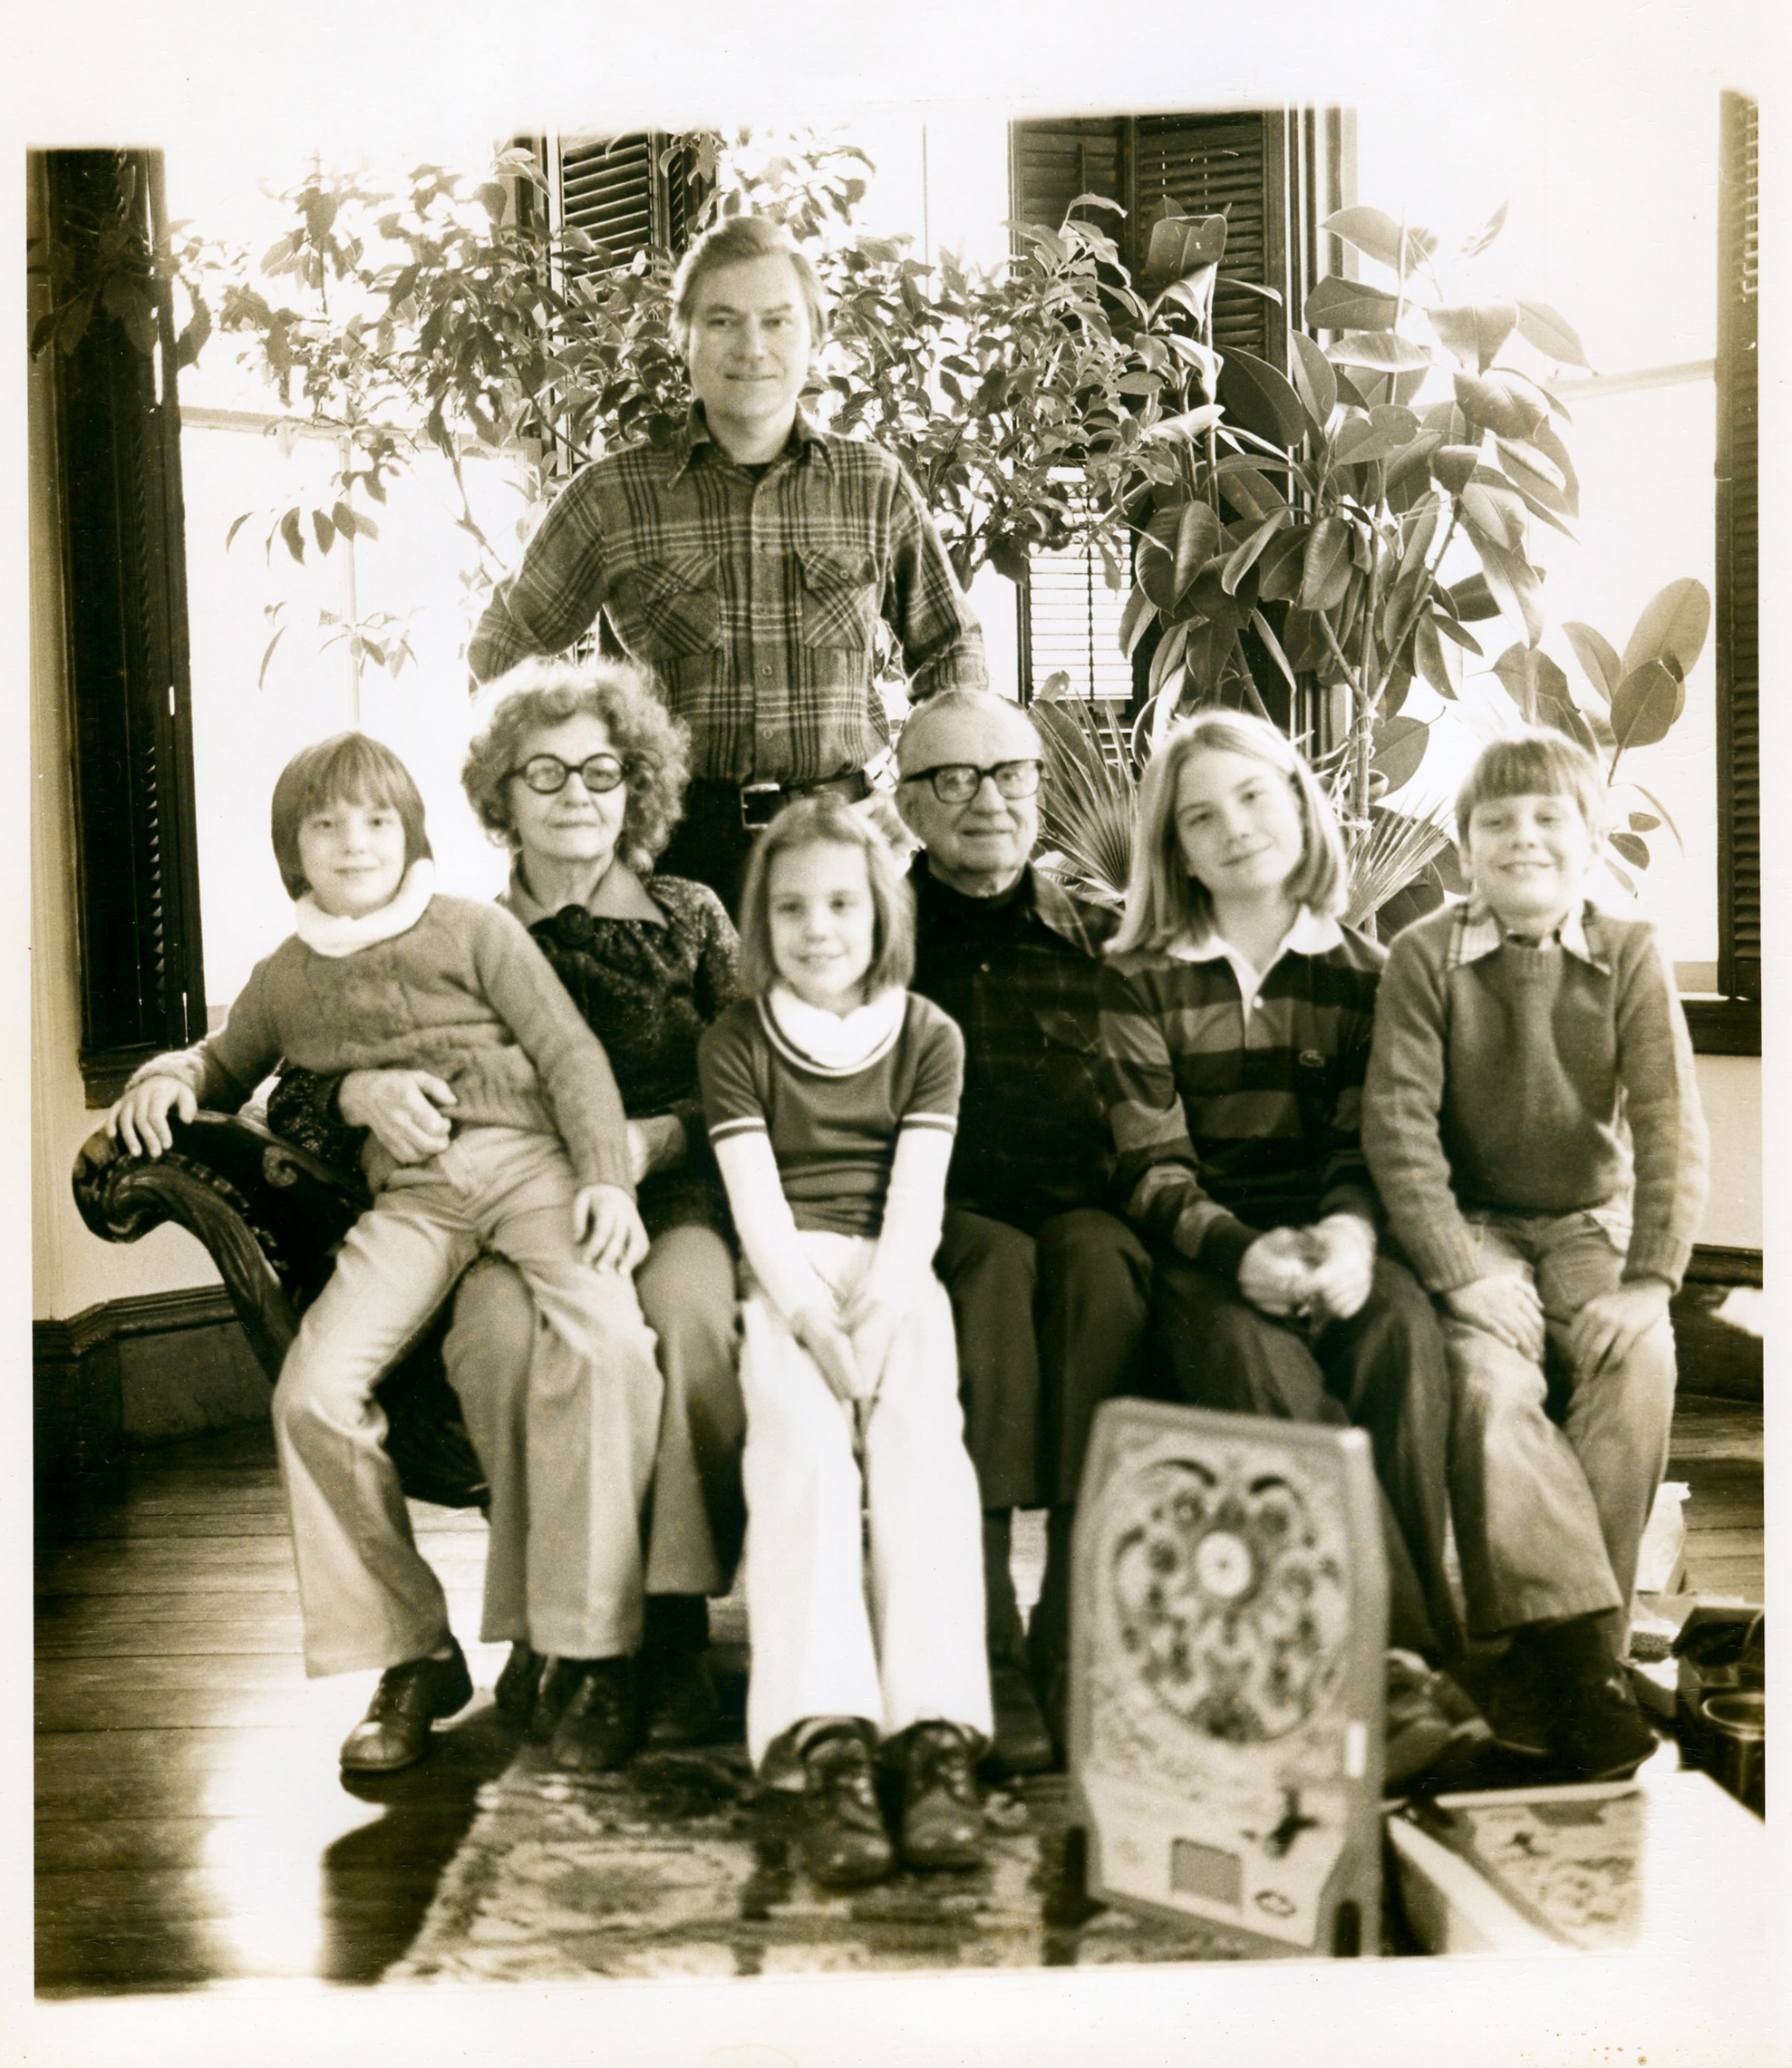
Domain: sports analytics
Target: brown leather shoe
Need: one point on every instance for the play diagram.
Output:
(394, 1734)
(844, 1842)
(942, 1815)
(599, 1726)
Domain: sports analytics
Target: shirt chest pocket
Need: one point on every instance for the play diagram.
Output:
(670, 606)
(838, 601)
(1066, 1031)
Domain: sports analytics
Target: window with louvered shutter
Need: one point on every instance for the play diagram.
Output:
(122, 526)
(629, 194)
(1273, 176)
(1738, 562)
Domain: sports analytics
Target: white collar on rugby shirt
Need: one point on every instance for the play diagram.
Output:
(332, 934)
(833, 1041)
(1311, 934)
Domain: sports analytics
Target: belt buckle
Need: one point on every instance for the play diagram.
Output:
(760, 804)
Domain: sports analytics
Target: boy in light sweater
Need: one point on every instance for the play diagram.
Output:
(1532, 1125)
(380, 972)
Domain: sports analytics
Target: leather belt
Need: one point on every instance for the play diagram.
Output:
(761, 803)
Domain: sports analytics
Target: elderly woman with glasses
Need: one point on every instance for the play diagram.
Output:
(581, 773)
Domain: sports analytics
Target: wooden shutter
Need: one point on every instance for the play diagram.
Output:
(1737, 557)
(122, 521)
(1050, 163)
(629, 194)
(1071, 625)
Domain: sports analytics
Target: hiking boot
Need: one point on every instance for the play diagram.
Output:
(942, 1815)
(597, 1728)
(1599, 1731)
(844, 1842)
(395, 1732)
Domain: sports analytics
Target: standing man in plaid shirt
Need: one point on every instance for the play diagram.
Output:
(747, 562)
(1050, 1288)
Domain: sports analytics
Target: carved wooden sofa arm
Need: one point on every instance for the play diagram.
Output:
(272, 1217)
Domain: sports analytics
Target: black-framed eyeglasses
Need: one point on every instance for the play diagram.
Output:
(957, 783)
(546, 774)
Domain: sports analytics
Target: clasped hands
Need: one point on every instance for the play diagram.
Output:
(1315, 1275)
(851, 1342)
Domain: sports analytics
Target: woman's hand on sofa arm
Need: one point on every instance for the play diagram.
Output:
(139, 1122)
(405, 1108)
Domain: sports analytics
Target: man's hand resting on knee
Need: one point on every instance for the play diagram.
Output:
(1610, 1326)
(1505, 1306)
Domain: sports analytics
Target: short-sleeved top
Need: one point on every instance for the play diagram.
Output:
(832, 1131)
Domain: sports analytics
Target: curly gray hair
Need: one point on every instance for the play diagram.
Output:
(653, 746)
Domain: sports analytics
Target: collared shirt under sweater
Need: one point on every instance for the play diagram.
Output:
(1539, 1078)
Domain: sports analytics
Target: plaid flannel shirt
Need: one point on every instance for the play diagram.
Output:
(1019, 974)
(753, 594)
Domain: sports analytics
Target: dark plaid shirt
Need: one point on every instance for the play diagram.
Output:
(1020, 974)
(753, 593)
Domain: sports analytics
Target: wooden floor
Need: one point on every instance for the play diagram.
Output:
(192, 1825)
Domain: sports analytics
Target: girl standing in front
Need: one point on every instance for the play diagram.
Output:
(832, 1096)
(1236, 1017)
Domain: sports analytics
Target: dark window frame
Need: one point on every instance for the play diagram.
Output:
(121, 537)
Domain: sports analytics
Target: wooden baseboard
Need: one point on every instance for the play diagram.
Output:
(132, 1370)
(1713, 1264)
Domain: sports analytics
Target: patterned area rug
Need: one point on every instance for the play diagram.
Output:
(685, 1867)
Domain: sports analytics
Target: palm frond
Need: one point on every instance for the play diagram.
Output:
(1398, 846)
(1088, 800)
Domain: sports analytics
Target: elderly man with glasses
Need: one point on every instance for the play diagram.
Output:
(1049, 1287)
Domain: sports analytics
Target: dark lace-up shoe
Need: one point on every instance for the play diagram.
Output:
(394, 1734)
(1599, 1731)
(598, 1727)
(844, 1842)
(514, 1692)
(942, 1815)
(683, 1708)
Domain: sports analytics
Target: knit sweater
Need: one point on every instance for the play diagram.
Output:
(464, 994)
(1239, 1116)
(1533, 1079)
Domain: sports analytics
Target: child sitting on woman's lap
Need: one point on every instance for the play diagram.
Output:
(382, 973)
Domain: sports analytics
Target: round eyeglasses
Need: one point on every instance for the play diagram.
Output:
(957, 783)
(546, 774)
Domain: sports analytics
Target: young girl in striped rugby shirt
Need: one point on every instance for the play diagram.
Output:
(832, 1094)
(1236, 1017)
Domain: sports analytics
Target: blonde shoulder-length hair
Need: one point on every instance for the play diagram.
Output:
(1163, 901)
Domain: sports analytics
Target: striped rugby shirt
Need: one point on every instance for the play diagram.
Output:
(833, 1131)
(753, 594)
(1242, 1114)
